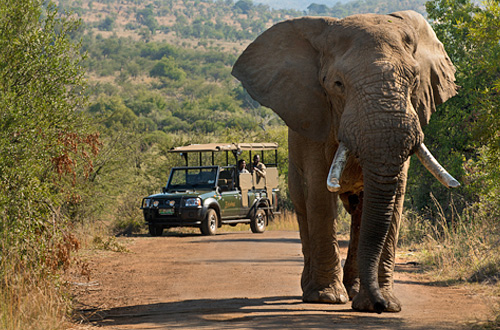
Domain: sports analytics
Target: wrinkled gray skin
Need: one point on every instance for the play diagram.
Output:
(371, 82)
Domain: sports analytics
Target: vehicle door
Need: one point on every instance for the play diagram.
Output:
(230, 198)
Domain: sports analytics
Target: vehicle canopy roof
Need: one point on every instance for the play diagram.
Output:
(235, 147)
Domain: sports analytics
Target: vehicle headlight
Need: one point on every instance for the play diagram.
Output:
(156, 203)
(192, 202)
(145, 202)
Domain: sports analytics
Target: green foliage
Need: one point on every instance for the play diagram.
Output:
(215, 20)
(464, 132)
(245, 6)
(40, 142)
(146, 17)
(485, 39)
(167, 67)
(191, 90)
(45, 151)
(107, 24)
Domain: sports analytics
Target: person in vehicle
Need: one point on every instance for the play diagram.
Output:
(242, 166)
(259, 168)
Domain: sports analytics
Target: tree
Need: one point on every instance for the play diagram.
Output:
(245, 6)
(146, 17)
(107, 24)
(465, 130)
(167, 67)
(314, 8)
(45, 147)
(484, 68)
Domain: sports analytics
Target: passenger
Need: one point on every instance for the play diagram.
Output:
(242, 166)
(259, 168)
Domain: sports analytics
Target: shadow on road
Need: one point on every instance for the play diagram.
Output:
(244, 313)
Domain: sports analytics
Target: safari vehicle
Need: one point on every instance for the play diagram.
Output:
(209, 196)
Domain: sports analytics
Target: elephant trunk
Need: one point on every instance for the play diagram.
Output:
(378, 206)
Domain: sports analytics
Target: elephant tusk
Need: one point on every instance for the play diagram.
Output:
(338, 164)
(435, 168)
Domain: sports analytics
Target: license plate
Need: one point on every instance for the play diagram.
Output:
(166, 211)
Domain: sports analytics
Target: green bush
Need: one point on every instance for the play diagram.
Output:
(46, 150)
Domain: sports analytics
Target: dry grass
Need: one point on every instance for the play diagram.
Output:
(32, 292)
(28, 302)
(465, 249)
(286, 221)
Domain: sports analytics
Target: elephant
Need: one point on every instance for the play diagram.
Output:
(355, 94)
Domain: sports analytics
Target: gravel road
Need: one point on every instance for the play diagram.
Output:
(240, 280)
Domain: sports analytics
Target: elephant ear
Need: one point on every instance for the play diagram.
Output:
(280, 70)
(437, 73)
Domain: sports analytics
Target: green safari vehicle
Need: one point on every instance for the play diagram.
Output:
(209, 196)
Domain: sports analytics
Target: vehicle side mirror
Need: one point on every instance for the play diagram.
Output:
(164, 189)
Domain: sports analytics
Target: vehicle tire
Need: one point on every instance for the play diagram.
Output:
(155, 230)
(209, 224)
(258, 222)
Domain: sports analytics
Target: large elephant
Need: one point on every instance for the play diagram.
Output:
(360, 89)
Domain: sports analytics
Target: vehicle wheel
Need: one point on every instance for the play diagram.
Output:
(155, 230)
(258, 222)
(209, 224)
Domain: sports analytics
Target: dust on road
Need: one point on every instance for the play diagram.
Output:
(240, 280)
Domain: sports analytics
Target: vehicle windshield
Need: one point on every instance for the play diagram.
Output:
(192, 178)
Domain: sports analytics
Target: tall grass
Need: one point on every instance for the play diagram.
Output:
(286, 221)
(464, 248)
(32, 303)
(32, 294)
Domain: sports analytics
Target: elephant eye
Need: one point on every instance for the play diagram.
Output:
(339, 86)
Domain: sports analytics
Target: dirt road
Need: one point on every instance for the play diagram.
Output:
(241, 280)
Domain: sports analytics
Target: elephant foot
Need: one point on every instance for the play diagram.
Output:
(334, 294)
(352, 288)
(362, 303)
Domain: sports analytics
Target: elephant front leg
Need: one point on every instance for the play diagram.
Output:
(322, 275)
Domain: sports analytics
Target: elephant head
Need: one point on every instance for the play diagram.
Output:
(366, 82)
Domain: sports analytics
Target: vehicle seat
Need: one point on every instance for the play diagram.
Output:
(228, 176)
(222, 183)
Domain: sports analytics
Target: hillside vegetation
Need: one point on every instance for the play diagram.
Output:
(164, 66)
(224, 24)
(90, 110)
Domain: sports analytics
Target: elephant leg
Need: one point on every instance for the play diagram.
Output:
(316, 211)
(297, 190)
(353, 204)
(388, 256)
